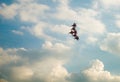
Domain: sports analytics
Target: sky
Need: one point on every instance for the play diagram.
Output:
(35, 44)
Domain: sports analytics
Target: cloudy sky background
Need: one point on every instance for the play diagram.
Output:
(35, 45)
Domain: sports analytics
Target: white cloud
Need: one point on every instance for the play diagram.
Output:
(35, 11)
(46, 70)
(95, 73)
(8, 11)
(63, 2)
(10, 55)
(107, 4)
(17, 32)
(56, 47)
(87, 19)
(21, 73)
(91, 40)
(44, 30)
(63, 29)
(110, 3)
(117, 16)
(89, 23)
(118, 23)
(64, 12)
(29, 68)
(111, 43)
(58, 74)
(38, 30)
(50, 70)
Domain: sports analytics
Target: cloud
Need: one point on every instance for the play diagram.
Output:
(21, 73)
(51, 70)
(47, 63)
(89, 22)
(111, 43)
(108, 4)
(8, 11)
(17, 32)
(62, 29)
(117, 22)
(92, 40)
(95, 73)
(9, 55)
(33, 66)
(35, 11)
(62, 9)
(45, 31)
(39, 30)
(46, 70)
(86, 18)
(59, 47)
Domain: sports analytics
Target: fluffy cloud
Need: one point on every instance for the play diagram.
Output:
(45, 31)
(95, 73)
(89, 22)
(34, 13)
(39, 30)
(118, 23)
(42, 70)
(9, 55)
(51, 70)
(57, 47)
(86, 18)
(111, 43)
(21, 73)
(32, 66)
(110, 3)
(64, 12)
(8, 11)
(63, 29)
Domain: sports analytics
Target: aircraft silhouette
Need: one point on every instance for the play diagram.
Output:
(73, 31)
